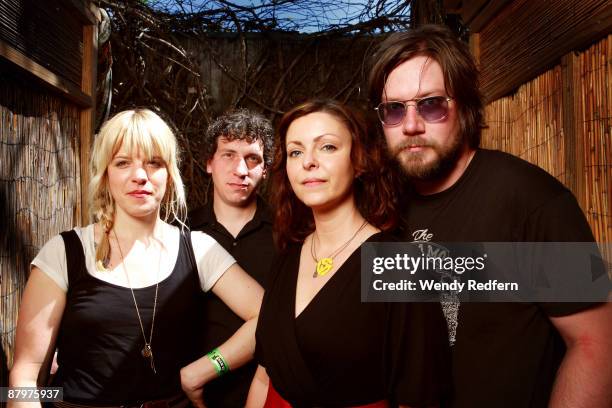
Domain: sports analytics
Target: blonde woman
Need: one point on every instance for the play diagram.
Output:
(118, 298)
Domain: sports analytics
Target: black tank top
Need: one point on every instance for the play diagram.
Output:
(100, 339)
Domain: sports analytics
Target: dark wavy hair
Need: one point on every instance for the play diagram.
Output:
(460, 71)
(373, 188)
(240, 124)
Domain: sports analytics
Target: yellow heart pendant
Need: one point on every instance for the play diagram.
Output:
(323, 266)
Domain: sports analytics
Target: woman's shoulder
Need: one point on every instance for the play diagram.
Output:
(51, 259)
(57, 241)
(85, 233)
(200, 239)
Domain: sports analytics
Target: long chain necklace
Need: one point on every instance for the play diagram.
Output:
(147, 350)
(324, 265)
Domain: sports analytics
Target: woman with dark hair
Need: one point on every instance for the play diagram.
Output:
(317, 344)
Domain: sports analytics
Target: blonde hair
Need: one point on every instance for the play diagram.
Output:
(135, 129)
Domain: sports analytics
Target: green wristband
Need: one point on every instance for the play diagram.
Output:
(217, 360)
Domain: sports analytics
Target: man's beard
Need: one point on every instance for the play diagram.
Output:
(413, 165)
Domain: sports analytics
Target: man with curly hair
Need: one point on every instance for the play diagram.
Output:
(238, 154)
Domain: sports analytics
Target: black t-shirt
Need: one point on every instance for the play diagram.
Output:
(253, 249)
(340, 352)
(504, 354)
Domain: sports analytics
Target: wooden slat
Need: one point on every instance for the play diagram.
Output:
(486, 14)
(82, 8)
(452, 6)
(528, 37)
(471, 8)
(572, 128)
(87, 122)
(47, 32)
(50, 79)
(475, 47)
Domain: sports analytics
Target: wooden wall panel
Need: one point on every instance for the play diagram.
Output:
(45, 33)
(562, 122)
(529, 37)
(39, 186)
(47, 117)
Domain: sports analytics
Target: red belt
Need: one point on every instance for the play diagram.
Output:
(274, 400)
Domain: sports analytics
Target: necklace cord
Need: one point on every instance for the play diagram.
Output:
(147, 343)
(331, 257)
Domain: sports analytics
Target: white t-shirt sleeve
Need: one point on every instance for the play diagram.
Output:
(212, 259)
(51, 259)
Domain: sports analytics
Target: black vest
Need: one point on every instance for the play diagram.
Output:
(100, 339)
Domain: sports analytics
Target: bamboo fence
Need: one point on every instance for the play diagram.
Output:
(596, 102)
(39, 186)
(529, 124)
(528, 36)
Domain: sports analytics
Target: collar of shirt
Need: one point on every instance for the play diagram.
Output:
(205, 217)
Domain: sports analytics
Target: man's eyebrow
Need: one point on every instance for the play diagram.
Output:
(420, 95)
(432, 92)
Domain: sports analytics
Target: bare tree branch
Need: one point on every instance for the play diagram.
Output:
(165, 53)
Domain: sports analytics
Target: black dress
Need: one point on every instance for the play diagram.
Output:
(340, 352)
(100, 340)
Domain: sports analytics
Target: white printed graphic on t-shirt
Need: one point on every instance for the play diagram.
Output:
(449, 300)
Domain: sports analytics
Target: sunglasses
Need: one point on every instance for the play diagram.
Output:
(431, 109)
